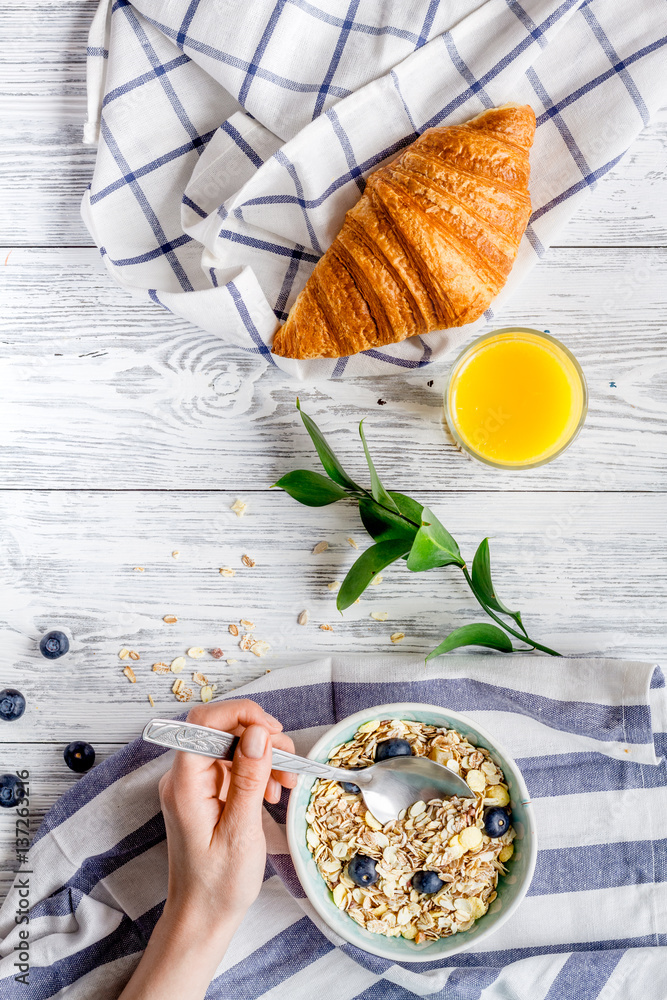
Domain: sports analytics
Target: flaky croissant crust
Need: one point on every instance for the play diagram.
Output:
(428, 245)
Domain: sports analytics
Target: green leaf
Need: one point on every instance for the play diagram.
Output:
(332, 466)
(407, 507)
(377, 489)
(474, 635)
(382, 524)
(366, 568)
(482, 584)
(311, 488)
(433, 546)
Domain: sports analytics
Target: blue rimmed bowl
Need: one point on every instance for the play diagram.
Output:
(511, 888)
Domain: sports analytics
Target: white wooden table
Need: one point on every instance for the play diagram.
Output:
(126, 434)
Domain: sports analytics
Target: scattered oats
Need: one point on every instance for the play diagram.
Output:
(178, 685)
(397, 637)
(217, 653)
(351, 541)
(327, 628)
(230, 662)
(196, 652)
(341, 896)
(320, 547)
(133, 655)
(303, 618)
(246, 642)
(476, 780)
(233, 629)
(336, 585)
(239, 508)
(380, 616)
(178, 664)
(227, 571)
(248, 625)
(124, 653)
(185, 694)
(170, 619)
(161, 668)
(199, 678)
(138, 569)
(247, 561)
(260, 647)
(206, 693)
(129, 673)
(376, 581)
(440, 835)
(150, 698)
(175, 554)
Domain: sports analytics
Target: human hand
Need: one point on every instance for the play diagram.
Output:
(213, 815)
(217, 852)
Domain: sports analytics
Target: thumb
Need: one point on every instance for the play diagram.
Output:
(251, 769)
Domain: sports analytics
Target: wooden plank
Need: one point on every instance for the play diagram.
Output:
(49, 779)
(42, 110)
(40, 139)
(586, 570)
(103, 391)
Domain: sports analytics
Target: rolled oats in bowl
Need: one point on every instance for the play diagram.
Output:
(433, 871)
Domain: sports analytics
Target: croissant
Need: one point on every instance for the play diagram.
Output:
(428, 245)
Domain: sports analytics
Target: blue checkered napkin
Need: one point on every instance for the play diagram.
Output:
(233, 137)
(587, 735)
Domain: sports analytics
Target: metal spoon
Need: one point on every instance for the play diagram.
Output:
(387, 787)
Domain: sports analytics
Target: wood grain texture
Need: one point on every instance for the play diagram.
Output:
(104, 391)
(42, 96)
(127, 434)
(586, 570)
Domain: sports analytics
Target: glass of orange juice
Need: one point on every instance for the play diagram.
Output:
(515, 398)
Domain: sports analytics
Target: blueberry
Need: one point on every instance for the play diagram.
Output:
(496, 822)
(53, 644)
(79, 756)
(428, 882)
(11, 791)
(12, 704)
(392, 748)
(361, 870)
(348, 786)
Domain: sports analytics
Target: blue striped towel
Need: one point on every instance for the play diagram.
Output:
(587, 735)
(233, 137)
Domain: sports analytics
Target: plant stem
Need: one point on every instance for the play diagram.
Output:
(508, 628)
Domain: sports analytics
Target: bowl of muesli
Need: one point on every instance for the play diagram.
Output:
(443, 876)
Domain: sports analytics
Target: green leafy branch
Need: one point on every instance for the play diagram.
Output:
(401, 528)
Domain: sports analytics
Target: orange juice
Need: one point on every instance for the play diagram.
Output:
(515, 398)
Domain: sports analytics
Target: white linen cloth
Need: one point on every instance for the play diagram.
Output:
(589, 737)
(233, 137)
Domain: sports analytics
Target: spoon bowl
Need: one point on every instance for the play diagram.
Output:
(387, 787)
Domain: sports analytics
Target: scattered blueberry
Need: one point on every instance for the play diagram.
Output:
(428, 882)
(79, 756)
(392, 748)
(361, 870)
(382, 402)
(12, 704)
(348, 786)
(11, 791)
(496, 822)
(53, 644)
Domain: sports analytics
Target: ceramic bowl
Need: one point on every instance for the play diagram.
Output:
(511, 888)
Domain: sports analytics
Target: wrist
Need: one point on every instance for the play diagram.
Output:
(195, 925)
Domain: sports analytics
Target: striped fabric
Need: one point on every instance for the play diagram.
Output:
(589, 737)
(233, 137)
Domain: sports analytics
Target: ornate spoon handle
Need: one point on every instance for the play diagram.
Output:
(214, 743)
